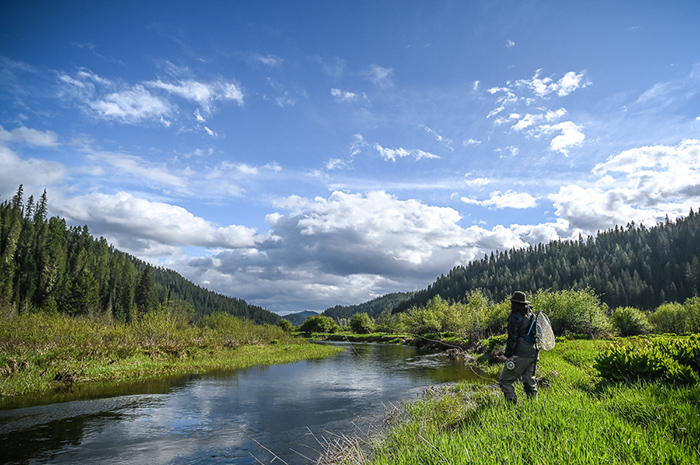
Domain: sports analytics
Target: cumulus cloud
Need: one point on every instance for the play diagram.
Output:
(393, 154)
(570, 136)
(641, 185)
(124, 217)
(34, 174)
(31, 137)
(348, 246)
(508, 199)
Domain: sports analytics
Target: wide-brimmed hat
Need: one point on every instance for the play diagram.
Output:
(519, 297)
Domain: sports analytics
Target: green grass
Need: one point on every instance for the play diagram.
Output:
(577, 420)
(40, 352)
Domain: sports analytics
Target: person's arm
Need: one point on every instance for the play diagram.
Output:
(512, 341)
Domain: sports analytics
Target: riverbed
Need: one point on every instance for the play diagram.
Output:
(228, 417)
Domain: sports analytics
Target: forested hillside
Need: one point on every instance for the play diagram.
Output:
(633, 266)
(46, 265)
(373, 307)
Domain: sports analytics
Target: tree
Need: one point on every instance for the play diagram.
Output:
(319, 324)
(286, 325)
(361, 323)
(145, 296)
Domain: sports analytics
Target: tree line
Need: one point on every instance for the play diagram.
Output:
(634, 266)
(46, 265)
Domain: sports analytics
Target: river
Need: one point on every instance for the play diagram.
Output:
(234, 417)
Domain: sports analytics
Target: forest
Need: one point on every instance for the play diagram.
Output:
(46, 265)
(633, 266)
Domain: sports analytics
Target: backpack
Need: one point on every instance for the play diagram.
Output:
(540, 331)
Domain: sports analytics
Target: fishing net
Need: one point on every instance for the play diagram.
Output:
(545, 335)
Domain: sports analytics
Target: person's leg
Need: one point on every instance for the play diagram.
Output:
(530, 379)
(505, 381)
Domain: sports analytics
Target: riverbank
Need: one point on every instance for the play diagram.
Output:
(41, 352)
(576, 420)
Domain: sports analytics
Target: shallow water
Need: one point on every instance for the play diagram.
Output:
(227, 417)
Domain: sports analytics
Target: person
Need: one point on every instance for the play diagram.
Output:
(520, 356)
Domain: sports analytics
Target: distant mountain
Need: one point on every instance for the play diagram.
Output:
(633, 266)
(300, 317)
(372, 307)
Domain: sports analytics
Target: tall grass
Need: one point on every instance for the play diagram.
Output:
(576, 420)
(39, 350)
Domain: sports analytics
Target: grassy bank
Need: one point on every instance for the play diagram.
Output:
(577, 420)
(40, 352)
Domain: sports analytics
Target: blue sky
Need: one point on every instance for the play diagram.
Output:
(305, 154)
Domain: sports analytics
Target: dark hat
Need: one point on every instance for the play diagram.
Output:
(519, 297)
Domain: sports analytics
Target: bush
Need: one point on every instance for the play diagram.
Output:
(361, 323)
(692, 309)
(670, 360)
(669, 318)
(630, 321)
(319, 324)
(573, 311)
(286, 325)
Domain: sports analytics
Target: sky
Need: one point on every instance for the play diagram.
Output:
(302, 155)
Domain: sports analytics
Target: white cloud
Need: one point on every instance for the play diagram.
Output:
(510, 43)
(131, 106)
(146, 101)
(343, 96)
(136, 168)
(543, 87)
(393, 154)
(35, 175)
(469, 142)
(507, 199)
(204, 94)
(380, 76)
(126, 218)
(652, 182)
(570, 136)
(269, 60)
(31, 137)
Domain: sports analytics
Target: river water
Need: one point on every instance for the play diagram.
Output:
(235, 417)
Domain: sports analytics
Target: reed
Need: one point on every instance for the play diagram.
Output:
(44, 351)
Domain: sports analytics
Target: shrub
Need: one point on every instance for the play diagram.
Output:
(286, 325)
(361, 323)
(669, 318)
(319, 324)
(670, 360)
(573, 311)
(692, 309)
(630, 321)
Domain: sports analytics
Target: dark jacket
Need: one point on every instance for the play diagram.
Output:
(518, 324)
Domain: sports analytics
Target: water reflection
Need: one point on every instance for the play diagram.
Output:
(216, 418)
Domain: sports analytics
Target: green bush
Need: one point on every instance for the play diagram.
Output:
(630, 321)
(573, 311)
(671, 360)
(361, 323)
(319, 324)
(692, 308)
(669, 318)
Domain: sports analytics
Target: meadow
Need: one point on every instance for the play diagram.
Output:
(41, 351)
(578, 418)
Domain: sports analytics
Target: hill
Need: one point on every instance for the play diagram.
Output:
(299, 318)
(373, 307)
(632, 266)
(45, 265)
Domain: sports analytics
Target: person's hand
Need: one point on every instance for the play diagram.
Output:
(502, 358)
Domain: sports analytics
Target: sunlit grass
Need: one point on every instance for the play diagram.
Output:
(576, 420)
(39, 352)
